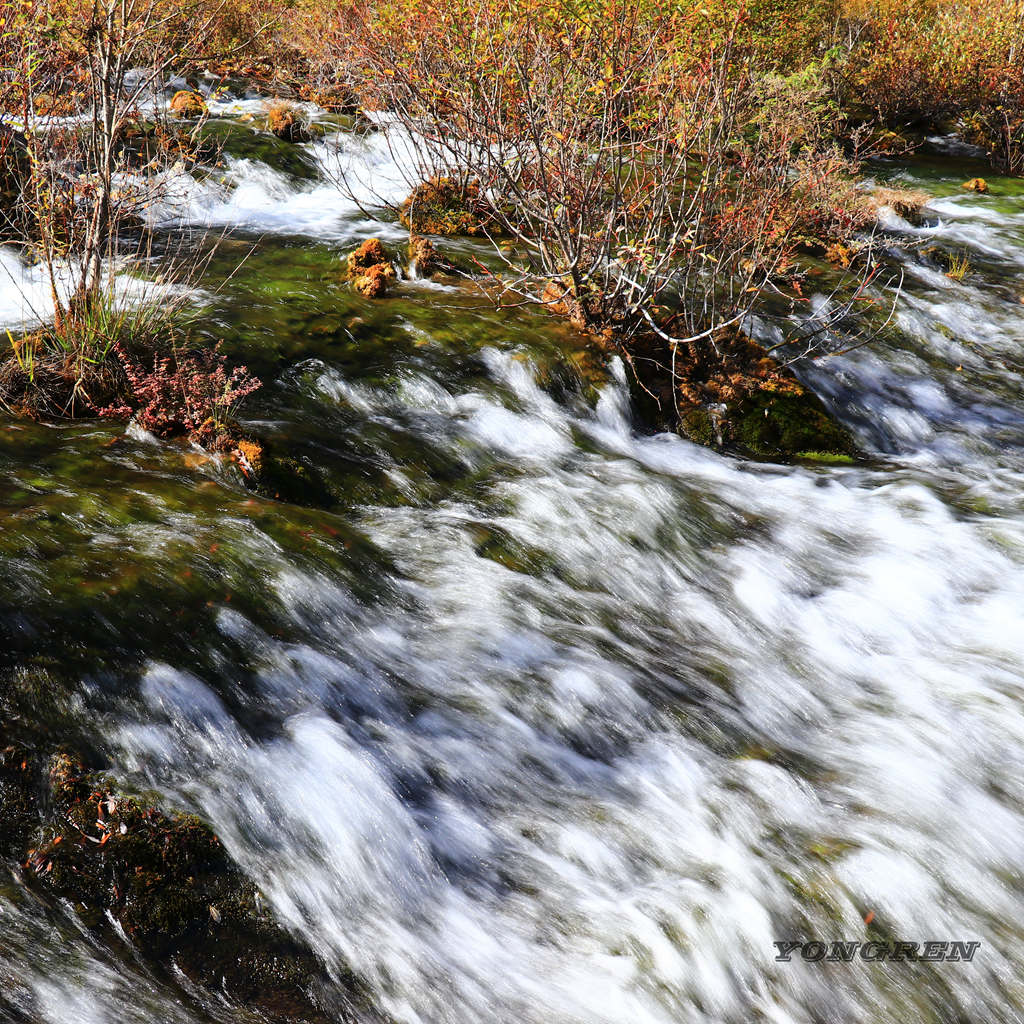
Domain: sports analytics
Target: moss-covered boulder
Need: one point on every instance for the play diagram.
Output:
(187, 104)
(285, 120)
(370, 269)
(442, 206)
(767, 424)
(334, 98)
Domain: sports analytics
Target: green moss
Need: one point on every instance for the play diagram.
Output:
(771, 425)
(243, 142)
(698, 426)
(441, 207)
(829, 458)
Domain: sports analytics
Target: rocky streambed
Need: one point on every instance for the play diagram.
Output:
(513, 709)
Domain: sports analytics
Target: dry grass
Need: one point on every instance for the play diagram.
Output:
(906, 202)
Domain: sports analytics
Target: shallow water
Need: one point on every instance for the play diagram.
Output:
(545, 718)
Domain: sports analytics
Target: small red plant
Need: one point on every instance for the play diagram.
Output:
(186, 393)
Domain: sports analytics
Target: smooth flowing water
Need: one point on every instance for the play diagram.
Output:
(535, 717)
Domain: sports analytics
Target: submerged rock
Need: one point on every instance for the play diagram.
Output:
(163, 877)
(287, 478)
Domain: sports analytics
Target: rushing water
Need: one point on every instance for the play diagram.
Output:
(543, 719)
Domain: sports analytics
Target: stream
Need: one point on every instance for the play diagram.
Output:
(535, 716)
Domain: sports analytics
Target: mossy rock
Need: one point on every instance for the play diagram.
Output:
(369, 254)
(783, 426)
(187, 104)
(370, 269)
(286, 478)
(441, 207)
(335, 99)
(162, 875)
(244, 143)
(424, 257)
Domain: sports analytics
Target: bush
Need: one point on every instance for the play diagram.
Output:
(941, 65)
(185, 393)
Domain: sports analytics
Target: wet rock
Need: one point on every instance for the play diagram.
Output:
(370, 269)
(739, 399)
(768, 424)
(166, 880)
(442, 207)
(975, 185)
(188, 104)
(424, 258)
(285, 477)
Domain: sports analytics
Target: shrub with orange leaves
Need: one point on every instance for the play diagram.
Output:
(941, 65)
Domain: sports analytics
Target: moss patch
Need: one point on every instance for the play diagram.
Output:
(442, 207)
(771, 425)
(733, 395)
